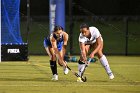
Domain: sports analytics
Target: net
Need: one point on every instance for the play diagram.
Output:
(10, 22)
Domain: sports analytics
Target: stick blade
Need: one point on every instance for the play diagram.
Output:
(84, 79)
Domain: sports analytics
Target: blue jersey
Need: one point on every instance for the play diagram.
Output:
(59, 40)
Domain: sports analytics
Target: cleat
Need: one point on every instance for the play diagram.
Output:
(66, 71)
(79, 79)
(111, 76)
(55, 77)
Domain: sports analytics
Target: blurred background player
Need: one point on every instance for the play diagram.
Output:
(90, 38)
(55, 46)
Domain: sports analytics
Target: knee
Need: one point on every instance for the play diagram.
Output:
(99, 54)
(81, 58)
(53, 57)
(60, 64)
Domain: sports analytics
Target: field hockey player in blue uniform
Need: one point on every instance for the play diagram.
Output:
(55, 46)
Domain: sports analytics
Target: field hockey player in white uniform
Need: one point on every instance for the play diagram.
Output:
(90, 38)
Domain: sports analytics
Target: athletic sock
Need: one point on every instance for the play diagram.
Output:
(53, 66)
(105, 64)
(81, 67)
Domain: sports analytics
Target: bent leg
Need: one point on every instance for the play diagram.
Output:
(52, 56)
(81, 64)
(104, 62)
(61, 53)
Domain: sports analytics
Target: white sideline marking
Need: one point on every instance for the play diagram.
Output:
(39, 65)
(73, 64)
(69, 85)
(126, 65)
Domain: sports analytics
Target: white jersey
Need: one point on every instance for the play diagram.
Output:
(94, 35)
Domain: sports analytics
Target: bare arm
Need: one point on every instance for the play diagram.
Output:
(83, 52)
(98, 41)
(65, 43)
(54, 45)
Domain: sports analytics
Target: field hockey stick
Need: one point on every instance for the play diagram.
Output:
(83, 79)
(86, 65)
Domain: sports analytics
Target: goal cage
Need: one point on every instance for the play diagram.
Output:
(12, 46)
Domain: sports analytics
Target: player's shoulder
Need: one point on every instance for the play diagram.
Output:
(81, 36)
(93, 28)
(51, 36)
(65, 34)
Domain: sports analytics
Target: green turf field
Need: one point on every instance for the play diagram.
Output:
(35, 77)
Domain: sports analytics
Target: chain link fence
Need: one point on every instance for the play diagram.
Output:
(121, 34)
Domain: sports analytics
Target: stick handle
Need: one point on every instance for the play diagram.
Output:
(88, 61)
(73, 71)
(68, 67)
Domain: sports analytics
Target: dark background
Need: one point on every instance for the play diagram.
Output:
(98, 7)
(117, 20)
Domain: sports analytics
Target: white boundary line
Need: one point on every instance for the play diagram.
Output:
(73, 63)
(77, 85)
(39, 65)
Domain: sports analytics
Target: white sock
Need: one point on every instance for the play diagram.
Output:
(80, 69)
(105, 64)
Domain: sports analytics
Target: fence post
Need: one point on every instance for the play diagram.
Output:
(71, 26)
(0, 31)
(126, 35)
(28, 20)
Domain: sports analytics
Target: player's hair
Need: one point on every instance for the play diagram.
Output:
(84, 25)
(57, 27)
